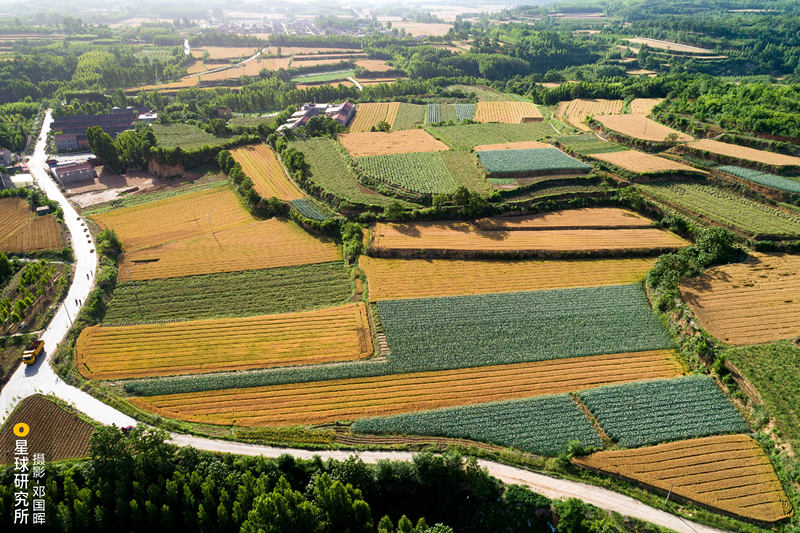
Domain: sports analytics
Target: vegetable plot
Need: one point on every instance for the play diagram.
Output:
(531, 161)
(542, 425)
(424, 172)
(763, 178)
(637, 414)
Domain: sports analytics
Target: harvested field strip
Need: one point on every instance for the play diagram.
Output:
(748, 303)
(264, 244)
(726, 208)
(595, 217)
(743, 152)
(642, 163)
(54, 431)
(667, 45)
(22, 231)
(577, 111)
(507, 112)
(368, 115)
(729, 472)
(473, 330)
(193, 347)
(396, 142)
(644, 106)
(230, 294)
(261, 165)
(648, 413)
(392, 279)
(543, 425)
(175, 218)
(521, 145)
(349, 399)
(640, 127)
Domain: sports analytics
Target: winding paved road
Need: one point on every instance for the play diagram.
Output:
(40, 378)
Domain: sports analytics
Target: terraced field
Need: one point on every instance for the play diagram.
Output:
(487, 329)
(750, 302)
(22, 231)
(642, 163)
(638, 414)
(395, 142)
(543, 425)
(507, 112)
(530, 162)
(323, 336)
(576, 111)
(392, 279)
(319, 402)
(175, 218)
(762, 178)
(409, 116)
(640, 127)
(726, 208)
(729, 472)
(261, 165)
(251, 292)
(264, 244)
(589, 144)
(424, 173)
(743, 152)
(471, 135)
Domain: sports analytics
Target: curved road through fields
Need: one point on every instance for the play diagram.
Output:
(40, 378)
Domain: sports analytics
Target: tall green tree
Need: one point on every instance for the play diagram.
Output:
(102, 145)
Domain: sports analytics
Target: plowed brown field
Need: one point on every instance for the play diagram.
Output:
(261, 165)
(178, 217)
(748, 303)
(22, 231)
(368, 115)
(642, 163)
(508, 112)
(348, 399)
(395, 142)
(728, 472)
(392, 279)
(743, 152)
(197, 346)
(55, 432)
(639, 127)
(264, 244)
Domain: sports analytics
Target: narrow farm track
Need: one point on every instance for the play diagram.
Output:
(40, 377)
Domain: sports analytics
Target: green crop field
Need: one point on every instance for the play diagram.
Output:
(543, 425)
(763, 178)
(557, 190)
(773, 370)
(433, 114)
(649, 412)
(465, 169)
(409, 116)
(425, 172)
(325, 76)
(467, 136)
(726, 208)
(187, 136)
(329, 170)
(252, 292)
(530, 160)
(464, 111)
(590, 144)
(251, 120)
(311, 209)
(492, 329)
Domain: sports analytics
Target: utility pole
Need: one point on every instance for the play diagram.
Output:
(209, 223)
(669, 493)
(66, 310)
(135, 295)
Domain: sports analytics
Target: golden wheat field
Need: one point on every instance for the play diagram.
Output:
(666, 45)
(374, 65)
(225, 52)
(392, 279)
(174, 85)
(261, 165)
(377, 81)
(743, 152)
(394, 142)
(644, 106)
(308, 50)
(592, 217)
(576, 111)
(521, 145)
(368, 115)
(197, 346)
(348, 399)
(640, 127)
(508, 112)
(727, 472)
(178, 217)
(748, 303)
(22, 231)
(257, 245)
(642, 163)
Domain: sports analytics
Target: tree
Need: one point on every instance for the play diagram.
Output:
(5, 269)
(281, 510)
(102, 145)
(381, 126)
